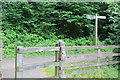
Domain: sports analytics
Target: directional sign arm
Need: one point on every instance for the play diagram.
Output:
(93, 17)
(101, 17)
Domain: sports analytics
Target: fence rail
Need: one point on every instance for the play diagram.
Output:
(80, 72)
(89, 47)
(38, 66)
(103, 54)
(53, 48)
(61, 58)
(38, 49)
(90, 65)
(87, 65)
(89, 57)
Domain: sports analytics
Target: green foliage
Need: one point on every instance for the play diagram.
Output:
(61, 18)
(43, 23)
(13, 39)
(111, 31)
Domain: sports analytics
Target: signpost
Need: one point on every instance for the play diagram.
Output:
(96, 17)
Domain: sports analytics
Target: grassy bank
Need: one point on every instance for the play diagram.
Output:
(104, 72)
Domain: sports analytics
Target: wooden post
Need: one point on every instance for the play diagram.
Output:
(98, 55)
(18, 63)
(57, 60)
(96, 30)
(1, 60)
(60, 57)
(96, 17)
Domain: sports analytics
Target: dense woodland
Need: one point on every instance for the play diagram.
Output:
(43, 23)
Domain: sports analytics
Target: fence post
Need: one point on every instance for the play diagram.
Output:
(18, 63)
(60, 57)
(57, 60)
(98, 55)
(1, 59)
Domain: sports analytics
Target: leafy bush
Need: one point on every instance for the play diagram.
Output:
(43, 23)
(61, 18)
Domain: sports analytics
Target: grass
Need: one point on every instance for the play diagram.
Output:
(50, 71)
(109, 71)
(104, 72)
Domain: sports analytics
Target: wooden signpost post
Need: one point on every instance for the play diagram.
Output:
(96, 17)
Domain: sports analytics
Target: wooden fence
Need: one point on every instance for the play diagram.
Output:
(61, 59)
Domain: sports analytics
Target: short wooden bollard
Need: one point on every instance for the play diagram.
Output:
(18, 63)
(60, 57)
(1, 59)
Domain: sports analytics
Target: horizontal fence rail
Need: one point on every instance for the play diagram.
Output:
(115, 54)
(80, 72)
(52, 48)
(89, 57)
(109, 54)
(51, 64)
(90, 65)
(38, 49)
(61, 58)
(89, 47)
(38, 66)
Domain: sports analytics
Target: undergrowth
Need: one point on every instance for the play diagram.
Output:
(104, 72)
(11, 39)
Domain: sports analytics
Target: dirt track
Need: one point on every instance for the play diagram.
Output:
(9, 66)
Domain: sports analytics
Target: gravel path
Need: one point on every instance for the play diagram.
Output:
(9, 65)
